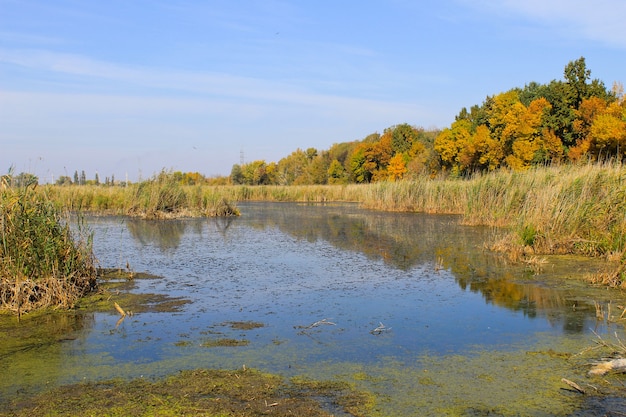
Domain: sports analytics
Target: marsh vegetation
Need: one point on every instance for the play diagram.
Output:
(554, 209)
(43, 263)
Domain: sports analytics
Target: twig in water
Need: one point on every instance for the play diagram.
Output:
(317, 323)
(381, 328)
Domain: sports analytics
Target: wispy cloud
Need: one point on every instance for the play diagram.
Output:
(163, 82)
(599, 20)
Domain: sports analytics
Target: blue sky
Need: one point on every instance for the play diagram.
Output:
(130, 87)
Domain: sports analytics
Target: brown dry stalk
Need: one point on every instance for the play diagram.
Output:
(25, 295)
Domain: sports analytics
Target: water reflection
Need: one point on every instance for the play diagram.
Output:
(401, 240)
(165, 235)
(288, 265)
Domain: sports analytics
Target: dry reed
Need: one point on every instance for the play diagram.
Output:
(548, 209)
(42, 262)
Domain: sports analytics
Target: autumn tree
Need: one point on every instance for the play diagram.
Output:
(337, 173)
(292, 167)
(318, 168)
(402, 138)
(397, 167)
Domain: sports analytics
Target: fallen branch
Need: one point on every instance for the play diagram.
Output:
(119, 309)
(573, 385)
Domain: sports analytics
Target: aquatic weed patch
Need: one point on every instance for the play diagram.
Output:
(243, 392)
(117, 286)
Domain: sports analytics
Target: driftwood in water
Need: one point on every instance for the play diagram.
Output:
(613, 365)
(119, 309)
(316, 324)
(573, 385)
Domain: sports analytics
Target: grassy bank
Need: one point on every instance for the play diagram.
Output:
(555, 209)
(159, 197)
(580, 209)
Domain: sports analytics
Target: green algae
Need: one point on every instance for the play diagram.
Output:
(503, 380)
(512, 381)
(118, 286)
(225, 342)
(244, 325)
(242, 392)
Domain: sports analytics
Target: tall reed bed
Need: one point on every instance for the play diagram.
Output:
(554, 209)
(160, 197)
(549, 209)
(559, 209)
(42, 263)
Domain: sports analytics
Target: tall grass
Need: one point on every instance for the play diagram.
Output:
(549, 209)
(42, 263)
(159, 197)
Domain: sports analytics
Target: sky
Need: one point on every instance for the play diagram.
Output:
(128, 88)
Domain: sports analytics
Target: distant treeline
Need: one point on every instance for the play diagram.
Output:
(576, 119)
(569, 120)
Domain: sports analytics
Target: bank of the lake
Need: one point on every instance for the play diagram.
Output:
(558, 209)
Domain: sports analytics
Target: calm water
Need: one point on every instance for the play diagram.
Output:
(463, 331)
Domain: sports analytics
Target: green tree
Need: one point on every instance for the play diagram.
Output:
(576, 76)
(358, 171)
(23, 179)
(254, 173)
(318, 169)
(292, 167)
(403, 137)
(236, 174)
(337, 173)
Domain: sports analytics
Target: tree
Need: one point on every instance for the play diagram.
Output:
(397, 167)
(236, 174)
(23, 179)
(83, 178)
(576, 76)
(608, 132)
(254, 173)
(336, 173)
(358, 171)
(292, 167)
(402, 138)
(318, 169)
(76, 177)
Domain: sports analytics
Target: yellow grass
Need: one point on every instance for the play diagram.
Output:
(553, 209)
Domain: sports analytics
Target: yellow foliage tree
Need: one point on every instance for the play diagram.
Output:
(608, 132)
(397, 167)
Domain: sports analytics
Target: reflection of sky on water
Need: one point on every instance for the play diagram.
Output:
(426, 277)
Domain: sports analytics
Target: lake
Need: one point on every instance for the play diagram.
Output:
(411, 307)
